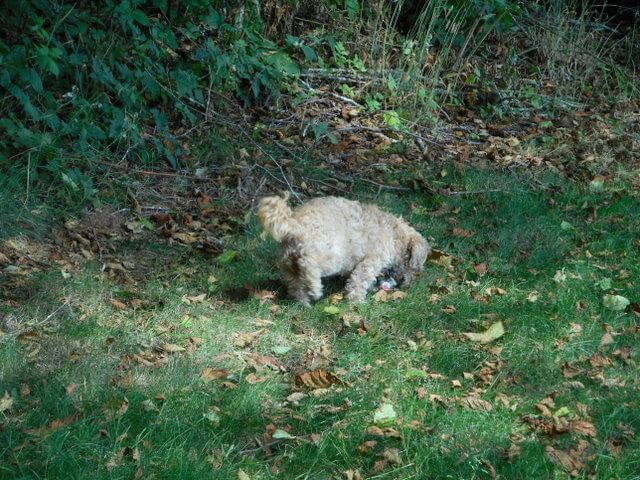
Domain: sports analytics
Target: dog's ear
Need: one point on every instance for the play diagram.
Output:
(418, 250)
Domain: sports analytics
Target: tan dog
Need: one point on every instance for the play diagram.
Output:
(334, 236)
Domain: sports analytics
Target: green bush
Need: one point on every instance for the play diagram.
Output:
(87, 80)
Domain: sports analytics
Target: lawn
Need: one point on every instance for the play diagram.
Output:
(152, 359)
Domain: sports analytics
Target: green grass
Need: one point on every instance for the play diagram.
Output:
(517, 233)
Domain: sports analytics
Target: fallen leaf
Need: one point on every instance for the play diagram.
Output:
(213, 417)
(243, 340)
(351, 475)
(117, 304)
(385, 415)
(282, 435)
(124, 406)
(441, 259)
(331, 310)
(195, 299)
(70, 389)
(171, 348)
(252, 379)
(208, 374)
(54, 425)
(494, 332)
(456, 384)
(374, 431)
(560, 276)
(6, 402)
(317, 378)
(335, 298)
(398, 295)
(392, 455)
(607, 339)
(264, 296)
(533, 297)
(242, 475)
(475, 403)
(616, 303)
(25, 390)
(583, 427)
(149, 406)
(461, 233)
(226, 257)
(597, 360)
(481, 268)
(280, 349)
(295, 397)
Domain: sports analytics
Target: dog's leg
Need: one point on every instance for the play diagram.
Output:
(362, 278)
(306, 286)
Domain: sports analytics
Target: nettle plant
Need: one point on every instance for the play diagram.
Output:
(90, 80)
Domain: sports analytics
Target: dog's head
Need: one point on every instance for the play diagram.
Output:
(417, 251)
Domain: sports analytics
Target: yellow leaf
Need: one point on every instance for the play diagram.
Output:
(494, 332)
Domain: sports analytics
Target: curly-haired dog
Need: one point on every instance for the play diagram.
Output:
(334, 236)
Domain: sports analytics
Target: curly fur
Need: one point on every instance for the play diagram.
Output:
(334, 236)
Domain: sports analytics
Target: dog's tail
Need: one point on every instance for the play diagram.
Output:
(276, 217)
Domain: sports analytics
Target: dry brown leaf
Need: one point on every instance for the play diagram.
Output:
(351, 475)
(475, 403)
(564, 460)
(54, 425)
(124, 406)
(316, 379)
(607, 339)
(461, 233)
(6, 402)
(374, 431)
(195, 299)
(171, 348)
(25, 390)
(264, 296)
(597, 360)
(365, 447)
(69, 389)
(441, 259)
(545, 406)
(295, 397)
(252, 379)
(450, 309)
(243, 340)
(392, 455)
(208, 374)
(583, 427)
(481, 268)
(398, 295)
(117, 304)
(456, 384)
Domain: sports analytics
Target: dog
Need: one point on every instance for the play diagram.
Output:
(329, 236)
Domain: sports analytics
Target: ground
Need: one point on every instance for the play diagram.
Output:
(139, 355)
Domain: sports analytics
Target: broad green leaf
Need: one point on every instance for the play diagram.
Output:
(615, 302)
(227, 257)
(385, 415)
(282, 435)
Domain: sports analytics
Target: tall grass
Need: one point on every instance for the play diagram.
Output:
(578, 49)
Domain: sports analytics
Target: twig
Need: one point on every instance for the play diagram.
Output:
(158, 174)
(332, 94)
(472, 192)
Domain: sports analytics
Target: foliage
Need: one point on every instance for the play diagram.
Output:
(85, 80)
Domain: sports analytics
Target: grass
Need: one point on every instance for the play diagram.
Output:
(125, 419)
